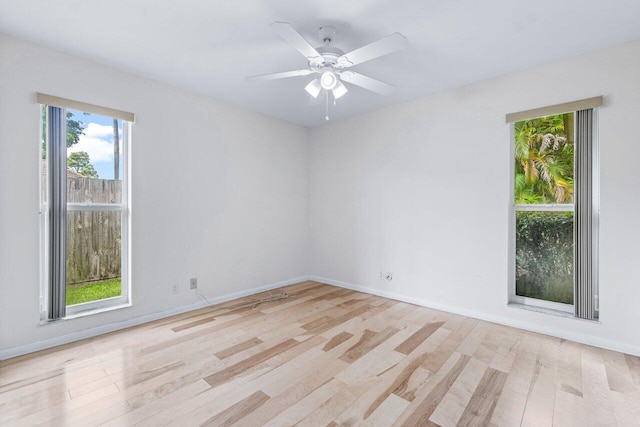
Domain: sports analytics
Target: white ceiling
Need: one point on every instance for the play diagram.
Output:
(210, 46)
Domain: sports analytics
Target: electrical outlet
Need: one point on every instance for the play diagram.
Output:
(174, 289)
(193, 283)
(382, 275)
(389, 276)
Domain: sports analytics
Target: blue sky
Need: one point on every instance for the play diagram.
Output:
(97, 141)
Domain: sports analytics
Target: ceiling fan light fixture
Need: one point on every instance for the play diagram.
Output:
(328, 80)
(313, 88)
(339, 90)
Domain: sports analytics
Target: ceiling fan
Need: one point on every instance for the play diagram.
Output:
(332, 64)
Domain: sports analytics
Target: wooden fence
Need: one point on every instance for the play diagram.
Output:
(93, 238)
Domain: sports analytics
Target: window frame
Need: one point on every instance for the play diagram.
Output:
(124, 207)
(535, 303)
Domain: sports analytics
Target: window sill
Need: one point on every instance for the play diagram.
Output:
(86, 313)
(544, 310)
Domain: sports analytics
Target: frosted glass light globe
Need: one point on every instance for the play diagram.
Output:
(328, 80)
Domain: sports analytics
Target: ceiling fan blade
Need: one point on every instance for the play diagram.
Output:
(367, 83)
(291, 36)
(282, 75)
(384, 46)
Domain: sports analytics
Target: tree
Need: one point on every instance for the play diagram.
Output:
(74, 130)
(544, 255)
(79, 162)
(544, 239)
(544, 161)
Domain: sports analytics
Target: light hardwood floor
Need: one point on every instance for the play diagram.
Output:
(324, 356)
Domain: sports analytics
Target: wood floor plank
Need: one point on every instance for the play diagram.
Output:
(175, 398)
(288, 393)
(68, 407)
(205, 407)
(404, 378)
(296, 412)
(474, 339)
(337, 404)
(511, 406)
(633, 363)
(223, 376)
(627, 408)
(227, 352)
(97, 417)
(542, 388)
(448, 346)
(35, 402)
(481, 405)
(457, 400)
(200, 333)
(206, 403)
(300, 369)
(367, 342)
(568, 395)
(375, 362)
(619, 377)
(162, 386)
(100, 409)
(316, 296)
(75, 392)
(490, 345)
(416, 339)
(394, 380)
(238, 411)
(321, 356)
(337, 321)
(295, 379)
(57, 383)
(569, 410)
(420, 410)
(399, 376)
(195, 323)
(337, 340)
(596, 393)
(387, 413)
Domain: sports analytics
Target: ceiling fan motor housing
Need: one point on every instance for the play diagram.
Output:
(330, 54)
(330, 57)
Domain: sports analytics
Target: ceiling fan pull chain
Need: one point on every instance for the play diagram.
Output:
(326, 105)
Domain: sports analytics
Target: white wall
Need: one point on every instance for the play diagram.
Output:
(422, 190)
(219, 193)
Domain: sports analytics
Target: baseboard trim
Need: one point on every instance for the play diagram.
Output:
(138, 320)
(555, 332)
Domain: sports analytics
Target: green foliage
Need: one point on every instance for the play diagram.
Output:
(80, 162)
(75, 128)
(93, 291)
(544, 160)
(544, 255)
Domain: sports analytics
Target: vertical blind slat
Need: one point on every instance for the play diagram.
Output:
(58, 212)
(583, 231)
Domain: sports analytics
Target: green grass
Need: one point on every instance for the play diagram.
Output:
(92, 291)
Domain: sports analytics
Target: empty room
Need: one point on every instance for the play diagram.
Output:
(319, 213)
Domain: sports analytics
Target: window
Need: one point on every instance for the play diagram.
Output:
(84, 207)
(554, 211)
